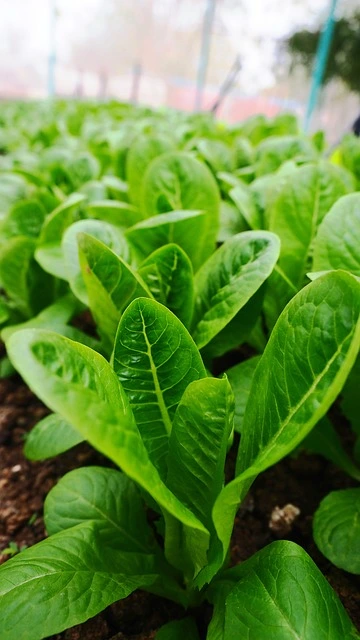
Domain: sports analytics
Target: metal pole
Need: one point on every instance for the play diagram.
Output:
(320, 63)
(227, 84)
(135, 86)
(52, 49)
(204, 52)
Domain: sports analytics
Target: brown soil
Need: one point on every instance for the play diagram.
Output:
(301, 482)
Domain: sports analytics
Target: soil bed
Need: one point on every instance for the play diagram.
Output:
(301, 482)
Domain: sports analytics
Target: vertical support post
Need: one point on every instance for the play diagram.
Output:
(135, 86)
(204, 52)
(320, 63)
(52, 49)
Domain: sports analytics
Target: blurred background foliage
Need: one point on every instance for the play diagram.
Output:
(344, 57)
(147, 51)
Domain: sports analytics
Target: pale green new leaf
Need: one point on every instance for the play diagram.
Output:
(228, 280)
(155, 359)
(337, 529)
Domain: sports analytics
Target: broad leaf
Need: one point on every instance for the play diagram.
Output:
(25, 218)
(50, 437)
(240, 377)
(155, 359)
(337, 243)
(303, 368)
(218, 155)
(272, 152)
(245, 202)
(66, 580)
(104, 496)
(12, 189)
(169, 276)
(110, 284)
(142, 151)
(28, 287)
(198, 443)
(289, 598)
(56, 318)
(184, 228)
(120, 214)
(80, 385)
(49, 253)
(177, 181)
(337, 529)
(228, 280)
(239, 329)
(53, 317)
(299, 208)
(106, 233)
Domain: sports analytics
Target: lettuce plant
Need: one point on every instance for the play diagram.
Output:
(336, 522)
(156, 413)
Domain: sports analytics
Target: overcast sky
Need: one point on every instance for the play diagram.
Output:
(253, 31)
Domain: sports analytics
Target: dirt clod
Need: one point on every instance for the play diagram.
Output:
(281, 520)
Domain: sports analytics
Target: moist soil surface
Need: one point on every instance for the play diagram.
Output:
(300, 482)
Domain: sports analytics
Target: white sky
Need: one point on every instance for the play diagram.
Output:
(252, 31)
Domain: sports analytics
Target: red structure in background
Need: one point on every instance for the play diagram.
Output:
(234, 108)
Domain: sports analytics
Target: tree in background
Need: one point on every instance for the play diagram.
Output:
(344, 56)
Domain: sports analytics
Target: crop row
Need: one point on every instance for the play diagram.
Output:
(187, 240)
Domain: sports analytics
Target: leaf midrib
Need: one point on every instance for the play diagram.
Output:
(158, 391)
(272, 444)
